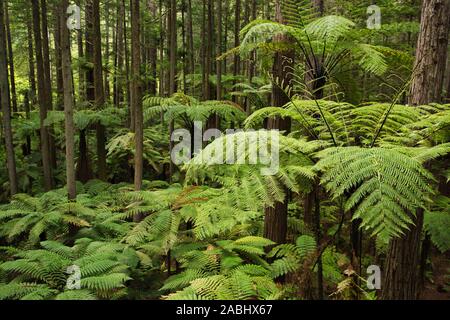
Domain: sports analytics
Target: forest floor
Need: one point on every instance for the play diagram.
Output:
(438, 286)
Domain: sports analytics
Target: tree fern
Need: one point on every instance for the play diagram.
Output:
(390, 186)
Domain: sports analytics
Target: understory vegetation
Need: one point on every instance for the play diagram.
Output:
(92, 205)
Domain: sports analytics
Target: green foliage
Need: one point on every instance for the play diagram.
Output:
(188, 109)
(43, 273)
(437, 223)
(218, 272)
(385, 186)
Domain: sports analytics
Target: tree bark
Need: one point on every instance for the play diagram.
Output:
(153, 46)
(275, 220)
(99, 92)
(172, 46)
(42, 98)
(219, 50)
(31, 74)
(190, 38)
(68, 100)
(431, 53)
(48, 79)
(136, 102)
(119, 73)
(172, 28)
(237, 26)
(58, 58)
(4, 100)
(10, 60)
(106, 80)
(401, 271)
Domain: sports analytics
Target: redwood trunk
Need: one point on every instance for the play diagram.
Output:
(401, 272)
(42, 98)
(4, 100)
(68, 101)
(275, 220)
(136, 102)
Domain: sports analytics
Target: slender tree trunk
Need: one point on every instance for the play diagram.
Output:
(208, 51)
(26, 106)
(172, 68)
(58, 59)
(10, 60)
(225, 33)
(120, 73)
(153, 48)
(172, 47)
(251, 62)
(127, 64)
(203, 51)
(99, 91)
(136, 102)
(106, 80)
(4, 100)
(84, 170)
(219, 50)
(401, 271)
(161, 52)
(190, 38)
(47, 77)
(183, 43)
(237, 26)
(31, 74)
(68, 101)
(81, 75)
(42, 98)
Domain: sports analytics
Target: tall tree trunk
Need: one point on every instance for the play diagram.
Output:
(172, 46)
(431, 53)
(401, 271)
(81, 74)
(99, 91)
(219, 50)
(183, 44)
(136, 102)
(275, 220)
(31, 74)
(127, 64)
(237, 26)
(190, 38)
(68, 100)
(107, 27)
(208, 51)
(226, 14)
(26, 106)
(172, 68)
(42, 98)
(153, 48)
(251, 61)
(161, 52)
(4, 100)
(10, 60)
(203, 50)
(58, 59)
(47, 77)
(119, 73)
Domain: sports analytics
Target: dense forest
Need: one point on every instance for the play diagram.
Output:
(225, 149)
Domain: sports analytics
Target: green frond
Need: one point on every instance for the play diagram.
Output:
(106, 282)
(386, 186)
